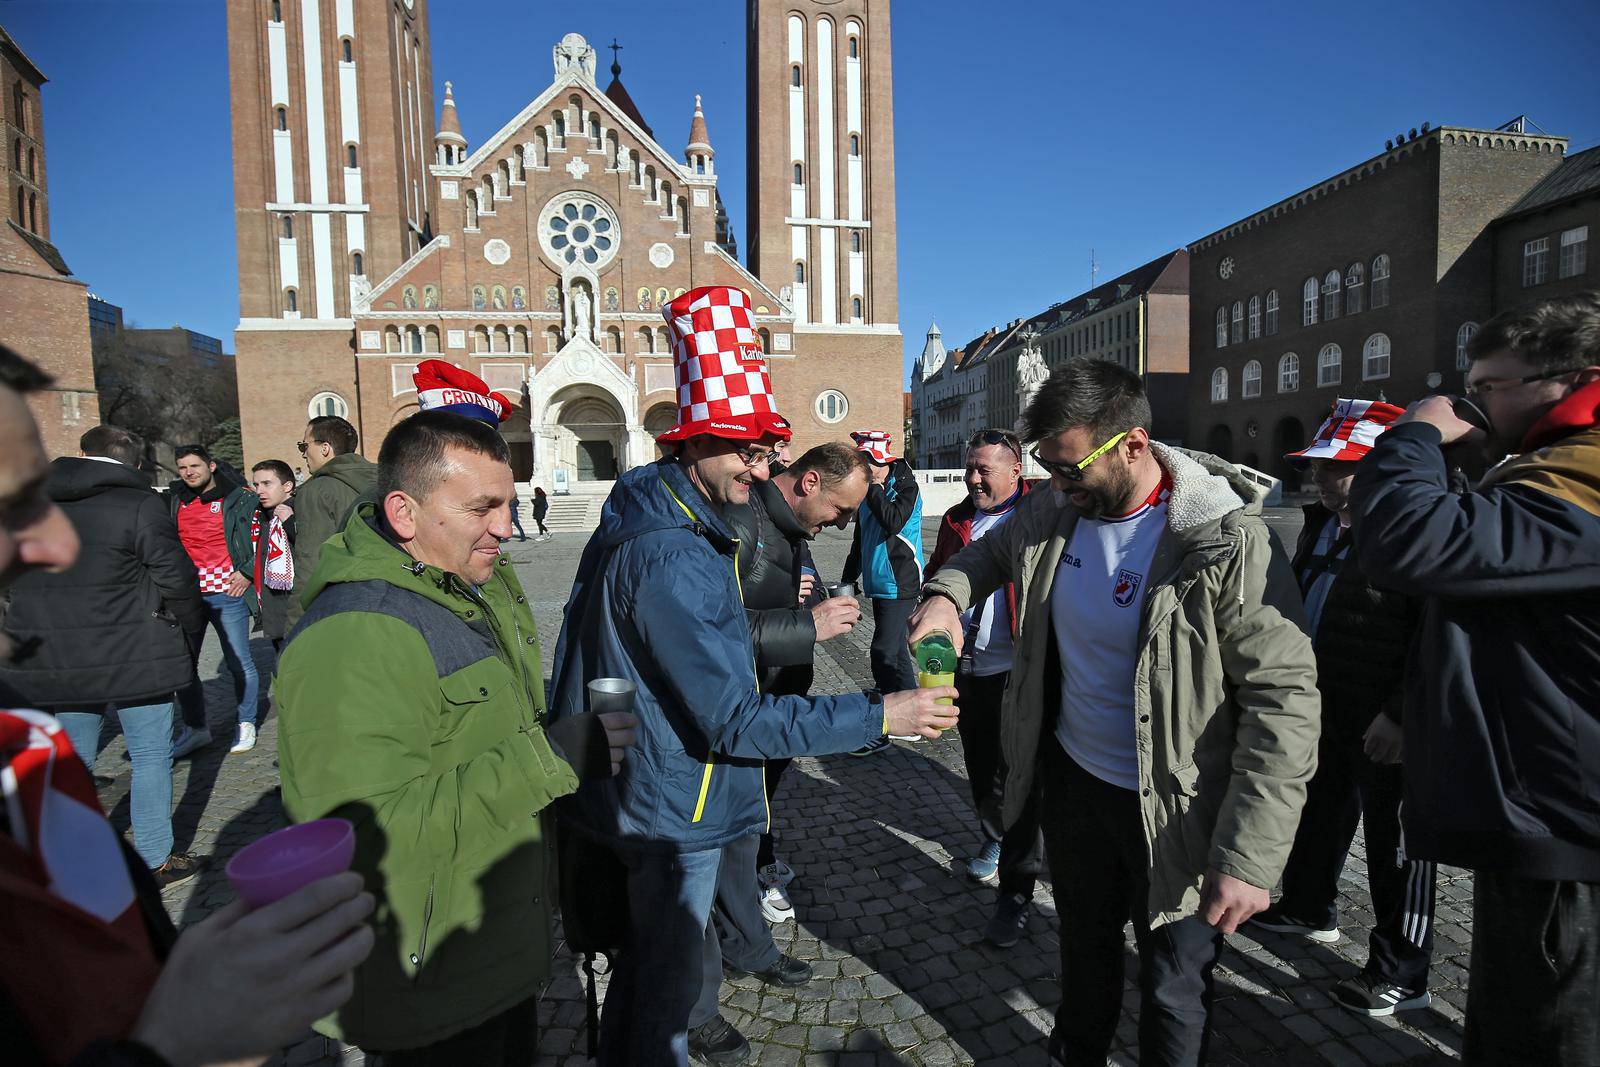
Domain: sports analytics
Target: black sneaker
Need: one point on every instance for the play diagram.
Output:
(1377, 997)
(719, 1043)
(788, 972)
(1009, 920)
(178, 866)
(1275, 920)
(876, 745)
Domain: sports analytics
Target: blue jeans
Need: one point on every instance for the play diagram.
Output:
(671, 972)
(148, 729)
(230, 617)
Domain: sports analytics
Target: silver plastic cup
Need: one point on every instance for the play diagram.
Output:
(834, 589)
(611, 694)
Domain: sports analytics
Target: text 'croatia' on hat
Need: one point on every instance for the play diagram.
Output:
(444, 386)
(875, 443)
(723, 386)
(1348, 432)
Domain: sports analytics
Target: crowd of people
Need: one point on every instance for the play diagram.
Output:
(1154, 699)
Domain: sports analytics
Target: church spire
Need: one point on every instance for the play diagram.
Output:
(699, 152)
(451, 145)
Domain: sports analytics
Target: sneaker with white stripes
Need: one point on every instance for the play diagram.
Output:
(1378, 998)
(1277, 921)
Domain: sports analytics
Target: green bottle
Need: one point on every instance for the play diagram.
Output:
(936, 661)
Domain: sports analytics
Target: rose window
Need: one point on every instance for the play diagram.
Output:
(578, 230)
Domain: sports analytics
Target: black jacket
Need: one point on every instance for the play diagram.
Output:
(1362, 642)
(886, 550)
(1502, 724)
(773, 548)
(110, 629)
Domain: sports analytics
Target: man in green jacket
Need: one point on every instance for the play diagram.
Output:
(1163, 693)
(339, 477)
(412, 703)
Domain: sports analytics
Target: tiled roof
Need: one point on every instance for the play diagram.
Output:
(46, 250)
(1577, 175)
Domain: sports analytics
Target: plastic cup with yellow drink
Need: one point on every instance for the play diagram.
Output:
(936, 657)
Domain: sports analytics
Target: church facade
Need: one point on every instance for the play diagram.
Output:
(540, 259)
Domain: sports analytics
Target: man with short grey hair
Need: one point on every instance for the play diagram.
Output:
(1164, 690)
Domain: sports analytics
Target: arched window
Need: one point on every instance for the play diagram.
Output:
(282, 115)
(1272, 312)
(1375, 358)
(1289, 373)
(1255, 317)
(541, 148)
(799, 273)
(32, 174)
(1355, 287)
(413, 339)
(855, 145)
(1331, 302)
(1330, 365)
(1308, 303)
(358, 265)
(613, 339)
(345, 51)
(500, 339)
(594, 129)
(391, 339)
(1222, 327)
(1236, 337)
(683, 214)
(855, 308)
(472, 209)
(552, 339)
(1464, 337)
(647, 340)
(650, 183)
(430, 339)
(798, 175)
(855, 48)
(831, 405)
(288, 227)
(480, 298)
(16, 154)
(480, 339)
(855, 240)
(1250, 380)
(561, 128)
(794, 75)
(638, 169)
(766, 339)
(327, 404)
(291, 301)
(277, 10)
(1219, 385)
(663, 342)
(519, 339)
(666, 198)
(1380, 282)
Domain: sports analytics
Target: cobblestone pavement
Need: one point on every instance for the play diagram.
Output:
(885, 916)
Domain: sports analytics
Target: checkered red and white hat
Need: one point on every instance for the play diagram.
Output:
(875, 443)
(444, 386)
(1348, 432)
(723, 386)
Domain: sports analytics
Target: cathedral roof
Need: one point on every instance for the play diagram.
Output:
(618, 94)
(699, 136)
(449, 124)
(27, 67)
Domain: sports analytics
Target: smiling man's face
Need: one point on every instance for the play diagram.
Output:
(459, 526)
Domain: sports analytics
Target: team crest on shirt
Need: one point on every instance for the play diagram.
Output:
(216, 506)
(1127, 587)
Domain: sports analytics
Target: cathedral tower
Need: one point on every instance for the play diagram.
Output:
(821, 229)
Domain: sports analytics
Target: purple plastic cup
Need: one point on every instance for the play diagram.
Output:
(291, 859)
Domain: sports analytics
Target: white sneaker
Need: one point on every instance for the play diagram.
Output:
(776, 873)
(247, 739)
(775, 906)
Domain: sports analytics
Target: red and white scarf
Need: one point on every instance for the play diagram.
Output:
(275, 570)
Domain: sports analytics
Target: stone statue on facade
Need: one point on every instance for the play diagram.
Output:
(580, 311)
(575, 52)
(1031, 370)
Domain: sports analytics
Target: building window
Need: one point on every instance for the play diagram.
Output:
(277, 10)
(855, 146)
(1289, 373)
(1355, 282)
(1219, 385)
(1574, 245)
(831, 405)
(594, 128)
(1375, 357)
(1380, 283)
(1331, 295)
(288, 227)
(1535, 261)
(34, 177)
(799, 273)
(855, 240)
(1308, 303)
(282, 114)
(345, 51)
(1250, 381)
(794, 75)
(291, 301)
(350, 157)
(1272, 312)
(1222, 327)
(1330, 365)
(798, 174)
(855, 48)
(358, 265)
(325, 404)
(1464, 337)
(1237, 336)
(1255, 317)
(855, 308)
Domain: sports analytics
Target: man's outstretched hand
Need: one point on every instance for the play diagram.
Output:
(914, 712)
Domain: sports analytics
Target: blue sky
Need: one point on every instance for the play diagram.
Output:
(1025, 135)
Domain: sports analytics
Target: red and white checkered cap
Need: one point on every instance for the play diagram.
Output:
(1349, 432)
(723, 386)
(875, 443)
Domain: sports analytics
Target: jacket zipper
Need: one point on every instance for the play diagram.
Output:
(422, 946)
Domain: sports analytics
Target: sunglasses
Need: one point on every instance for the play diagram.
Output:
(1073, 472)
(754, 457)
(1500, 385)
(995, 437)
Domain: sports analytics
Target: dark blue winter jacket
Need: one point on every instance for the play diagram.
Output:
(886, 553)
(657, 601)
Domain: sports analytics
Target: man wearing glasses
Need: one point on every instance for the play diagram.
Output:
(658, 601)
(1163, 691)
(339, 475)
(1502, 716)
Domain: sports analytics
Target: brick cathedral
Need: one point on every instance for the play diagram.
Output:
(371, 238)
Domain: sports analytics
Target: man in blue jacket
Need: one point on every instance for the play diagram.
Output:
(1502, 721)
(657, 601)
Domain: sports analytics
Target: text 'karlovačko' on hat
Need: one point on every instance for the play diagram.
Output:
(724, 388)
(1348, 432)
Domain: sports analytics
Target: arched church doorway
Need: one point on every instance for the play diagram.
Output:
(659, 419)
(1219, 442)
(1288, 436)
(592, 439)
